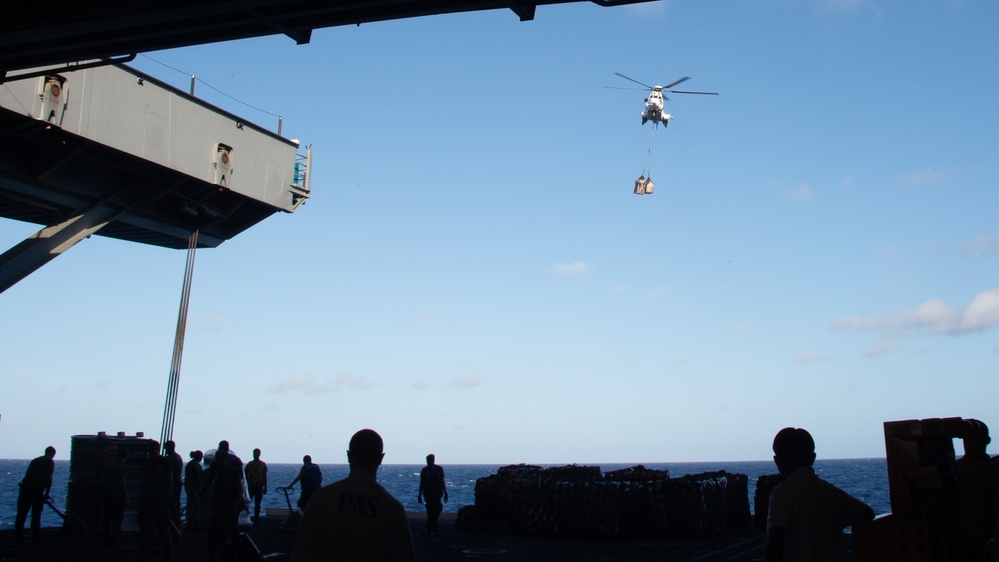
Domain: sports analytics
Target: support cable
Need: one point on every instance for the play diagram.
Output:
(173, 382)
(647, 171)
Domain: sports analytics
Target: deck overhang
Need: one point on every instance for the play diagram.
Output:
(49, 175)
(114, 152)
(33, 34)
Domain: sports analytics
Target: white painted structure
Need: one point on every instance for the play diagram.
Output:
(134, 113)
(110, 151)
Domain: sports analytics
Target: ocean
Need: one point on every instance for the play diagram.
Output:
(865, 479)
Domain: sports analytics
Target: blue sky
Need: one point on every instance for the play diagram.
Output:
(474, 277)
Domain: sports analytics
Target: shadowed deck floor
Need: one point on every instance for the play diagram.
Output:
(448, 545)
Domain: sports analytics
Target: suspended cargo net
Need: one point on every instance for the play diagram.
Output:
(644, 185)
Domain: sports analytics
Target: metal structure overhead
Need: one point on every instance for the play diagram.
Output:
(107, 161)
(75, 186)
(48, 176)
(33, 34)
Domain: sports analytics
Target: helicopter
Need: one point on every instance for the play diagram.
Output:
(656, 101)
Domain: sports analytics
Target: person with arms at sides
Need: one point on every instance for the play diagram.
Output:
(356, 518)
(226, 481)
(256, 482)
(193, 476)
(433, 487)
(177, 470)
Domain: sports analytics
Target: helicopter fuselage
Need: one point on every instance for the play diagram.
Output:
(656, 101)
(654, 108)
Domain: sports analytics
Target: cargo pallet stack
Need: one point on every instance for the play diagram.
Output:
(581, 501)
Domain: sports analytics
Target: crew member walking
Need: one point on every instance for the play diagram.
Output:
(432, 487)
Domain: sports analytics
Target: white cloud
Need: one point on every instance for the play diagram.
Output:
(457, 383)
(742, 327)
(467, 381)
(891, 252)
(661, 292)
(933, 316)
(213, 323)
(881, 348)
(983, 312)
(868, 324)
(302, 382)
(810, 358)
(925, 177)
(357, 382)
(983, 244)
(306, 384)
(801, 193)
(575, 269)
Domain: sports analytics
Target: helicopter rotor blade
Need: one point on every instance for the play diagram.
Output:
(619, 88)
(686, 92)
(677, 82)
(635, 81)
